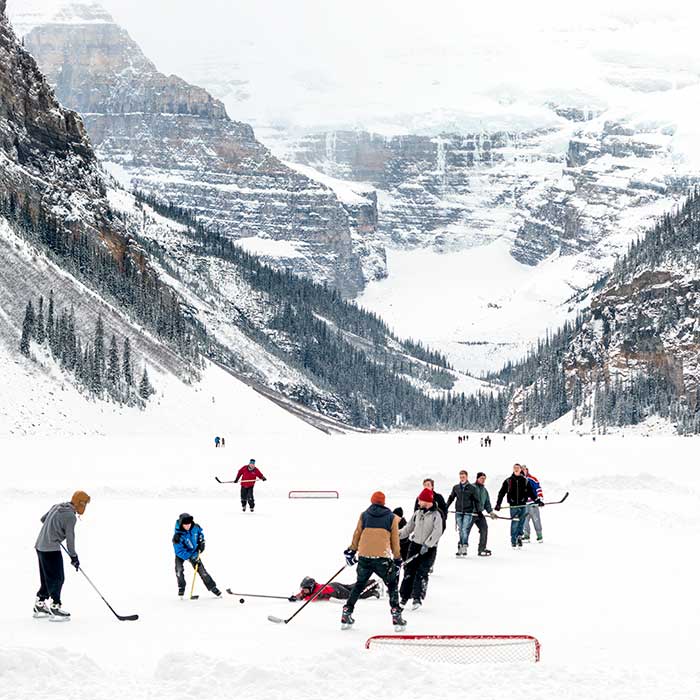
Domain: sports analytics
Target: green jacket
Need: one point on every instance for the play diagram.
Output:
(484, 500)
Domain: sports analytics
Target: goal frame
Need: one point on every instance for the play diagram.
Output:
(331, 494)
(476, 637)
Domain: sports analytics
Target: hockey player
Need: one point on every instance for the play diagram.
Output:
(309, 589)
(248, 474)
(188, 543)
(376, 543)
(517, 489)
(424, 530)
(533, 512)
(58, 524)
(484, 504)
(466, 500)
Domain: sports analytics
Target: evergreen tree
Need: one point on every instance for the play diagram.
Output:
(27, 329)
(50, 321)
(40, 331)
(145, 388)
(98, 353)
(113, 365)
(126, 364)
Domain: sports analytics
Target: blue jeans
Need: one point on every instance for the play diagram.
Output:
(464, 524)
(516, 526)
(533, 513)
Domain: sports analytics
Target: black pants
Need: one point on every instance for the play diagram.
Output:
(480, 522)
(247, 496)
(343, 590)
(385, 569)
(207, 580)
(51, 575)
(415, 576)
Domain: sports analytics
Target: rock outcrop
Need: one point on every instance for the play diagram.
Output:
(162, 136)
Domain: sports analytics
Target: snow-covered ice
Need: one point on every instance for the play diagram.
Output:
(611, 592)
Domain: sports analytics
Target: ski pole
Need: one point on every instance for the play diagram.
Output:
(194, 578)
(121, 618)
(258, 595)
(279, 620)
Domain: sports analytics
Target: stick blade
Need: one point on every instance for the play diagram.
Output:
(276, 620)
(128, 618)
(194, 597)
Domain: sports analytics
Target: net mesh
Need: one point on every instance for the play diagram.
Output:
(314, 494)
(461, 649)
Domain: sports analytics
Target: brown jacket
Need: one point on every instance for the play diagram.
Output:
(377, 534)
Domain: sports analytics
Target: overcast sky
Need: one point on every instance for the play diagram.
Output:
(310, 60)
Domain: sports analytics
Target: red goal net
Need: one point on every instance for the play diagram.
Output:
(462, 648)
(314, 494)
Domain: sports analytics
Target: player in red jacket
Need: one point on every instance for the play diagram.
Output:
(248, 474)
(310, 588)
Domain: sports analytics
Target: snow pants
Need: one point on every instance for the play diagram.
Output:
(518, 523)
(51, 575)
(480, 522)
(533, 513)
(343, 590)
(247, 496)
(385, 569)
(207, 580)
(416, 572)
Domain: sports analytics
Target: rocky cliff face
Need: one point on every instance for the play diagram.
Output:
(173, 140)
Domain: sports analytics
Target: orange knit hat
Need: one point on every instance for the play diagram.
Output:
(378, 498)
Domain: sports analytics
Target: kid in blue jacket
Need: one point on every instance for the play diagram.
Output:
(188, 543)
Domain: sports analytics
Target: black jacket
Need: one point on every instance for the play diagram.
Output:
(439, 501)
(466, 498)
(517, 489)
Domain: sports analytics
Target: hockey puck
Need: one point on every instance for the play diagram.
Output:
(242, 600)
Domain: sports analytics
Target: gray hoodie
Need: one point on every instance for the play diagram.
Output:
(425, 527)
(59, 525)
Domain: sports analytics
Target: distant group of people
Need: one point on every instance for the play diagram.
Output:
(219, 441)
(485, 442)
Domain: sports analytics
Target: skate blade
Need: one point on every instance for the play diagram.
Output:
(399, 628)
(344, 626)
(59, 619)
(41, 616)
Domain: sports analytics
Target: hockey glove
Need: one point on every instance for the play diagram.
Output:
(540, 503)
(75, 562)
(194, 560)
(350, 557)
(398, 563)
(424, 548)
(200, 546)
(497, 508)
(292, 599)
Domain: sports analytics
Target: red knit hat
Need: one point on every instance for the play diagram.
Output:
(426, 495)
(378, 498)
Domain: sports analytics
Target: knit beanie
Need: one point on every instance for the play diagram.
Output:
(378, 498)
(79, 500)
(426, 495)
(398, 511)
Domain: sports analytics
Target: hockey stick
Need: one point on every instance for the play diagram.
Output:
(121, 618)
(476, 515)
(258, 595)
(224, 482)
(545, 503)
(279, 620)
(194, 578)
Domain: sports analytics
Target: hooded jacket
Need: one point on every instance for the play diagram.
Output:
(58, 525)
(186, 543)
(424, 527)
(377, 534)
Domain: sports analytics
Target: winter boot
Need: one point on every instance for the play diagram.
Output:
(539, 538)
(58, 615)
(41, 609)
(485, 553)
(465, 549)
(346, 619)
(398, 621)
(181, 594)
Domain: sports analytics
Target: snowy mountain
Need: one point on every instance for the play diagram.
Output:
(633, 353)
(165, 137)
